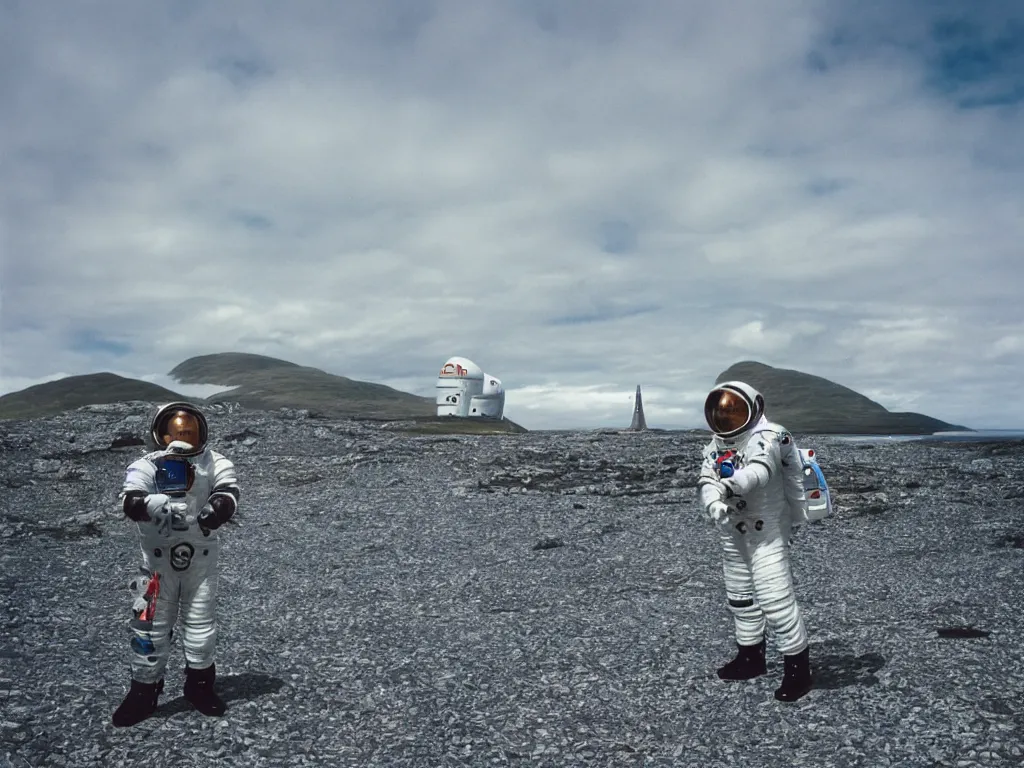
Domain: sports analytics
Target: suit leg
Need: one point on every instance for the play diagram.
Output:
(739, 590)
(773, 586)
(154, 612)
(199, 612)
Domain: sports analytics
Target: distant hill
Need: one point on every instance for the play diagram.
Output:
(53, 397)
(228, 368)
(258, 382)
(268, 383)
(805, 403)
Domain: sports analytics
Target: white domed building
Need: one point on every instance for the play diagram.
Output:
(464, 389)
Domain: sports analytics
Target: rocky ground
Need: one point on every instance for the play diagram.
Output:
(540, 599)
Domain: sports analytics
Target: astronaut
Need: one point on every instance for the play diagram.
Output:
(741, 490)
(179, 495)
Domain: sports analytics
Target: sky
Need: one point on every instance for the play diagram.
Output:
(578, 196)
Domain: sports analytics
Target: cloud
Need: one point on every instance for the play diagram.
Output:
(1007, 347)
(88, 340)
(752, 337)
(578, 198)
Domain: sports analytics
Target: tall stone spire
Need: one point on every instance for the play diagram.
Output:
(639, 422)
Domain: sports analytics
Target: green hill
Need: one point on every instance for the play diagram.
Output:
(258, 382)
(228, 368)
(268, 383)
(805, 403)
(800, 401)
(53, 397)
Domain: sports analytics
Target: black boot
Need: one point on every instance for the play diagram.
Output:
(796, 681)
(199, 691)
(139, 704)
(748, 664)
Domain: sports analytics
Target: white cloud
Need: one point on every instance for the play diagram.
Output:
(752, 337)
(895, 400)
(370, 188)
(187, 390)
(898, 336)
(1011, 346)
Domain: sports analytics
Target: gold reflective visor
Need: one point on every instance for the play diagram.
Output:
(183, 426)
(726, 411)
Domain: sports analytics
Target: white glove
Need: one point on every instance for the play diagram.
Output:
(167, 515)
(718, 512)
(158, 507)
(177, 446)
(156, 502)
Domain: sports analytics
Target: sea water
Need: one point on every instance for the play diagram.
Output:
(981, 435)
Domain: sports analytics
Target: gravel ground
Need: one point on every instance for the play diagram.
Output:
(539, 599)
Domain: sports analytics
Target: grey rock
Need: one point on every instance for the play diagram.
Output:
(69, 471)
(46, 466)
(382, 603)
(126, 439)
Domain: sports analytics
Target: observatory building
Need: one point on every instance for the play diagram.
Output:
(464, 389)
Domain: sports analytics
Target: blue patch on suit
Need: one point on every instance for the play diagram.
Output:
(142, 646)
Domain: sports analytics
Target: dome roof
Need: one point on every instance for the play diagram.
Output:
(461, 368)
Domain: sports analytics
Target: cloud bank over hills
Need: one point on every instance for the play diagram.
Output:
(582, 198)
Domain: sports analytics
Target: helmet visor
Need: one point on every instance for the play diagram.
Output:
(180, 425)
(726, 411)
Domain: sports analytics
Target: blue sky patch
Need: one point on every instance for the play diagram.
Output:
(603, 315)
(254, 221)
(824, 187)
(617, 237)
(978, 68)
(90, 341)
(243, 70)
(816, 61)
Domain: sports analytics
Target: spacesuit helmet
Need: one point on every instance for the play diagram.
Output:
(732, 408)
(179, 421)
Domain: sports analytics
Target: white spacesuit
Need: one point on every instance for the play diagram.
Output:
(179, 495)
(741, 490)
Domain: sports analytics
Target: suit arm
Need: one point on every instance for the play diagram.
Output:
(709, 486)
(761, 465)
(226, 493)
(139, 483)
